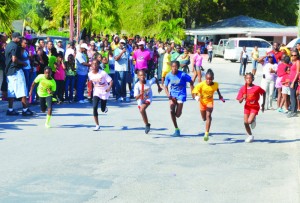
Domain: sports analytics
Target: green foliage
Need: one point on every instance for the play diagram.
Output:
(171, 30)
(54, 32)
(6, 9)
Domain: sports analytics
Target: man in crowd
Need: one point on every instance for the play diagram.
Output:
(141, 57)
(15, 76)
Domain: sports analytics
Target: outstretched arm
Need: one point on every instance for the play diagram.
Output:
(158, 86)
(263, 104)
(31, 88)
(219, 93)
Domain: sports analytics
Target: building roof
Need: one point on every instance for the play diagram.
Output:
(243, 21)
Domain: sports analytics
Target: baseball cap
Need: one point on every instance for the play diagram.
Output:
(122, 41)
(141, 43)
(85, 46)
(16, 35)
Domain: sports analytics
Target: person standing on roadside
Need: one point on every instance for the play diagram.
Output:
(82, 67)
(209, 51)
(244, 60)
(255, 57)
(15, 76)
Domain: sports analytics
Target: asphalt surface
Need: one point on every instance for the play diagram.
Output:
(120, 163)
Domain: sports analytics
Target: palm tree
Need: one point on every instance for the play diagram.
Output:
(6, 8)
(171, 30)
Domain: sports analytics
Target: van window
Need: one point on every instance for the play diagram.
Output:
(230, 44)
(252, 43)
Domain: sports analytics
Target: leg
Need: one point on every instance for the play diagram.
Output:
(95, 109)
(271, 91)
(279, 97)
(123, 83)
(67, 85)
(173, 114)
(49, 113)
(203, 114)
(199, 75)
(208, 118)
(103, 104)
(241, 68)
(179, 110)
(143, 108)
(118, 84)
(246, 123)
(43, 104)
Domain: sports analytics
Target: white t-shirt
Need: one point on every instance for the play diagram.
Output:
(147, 91)
(266, 71)
(100, 81)
(68, 52)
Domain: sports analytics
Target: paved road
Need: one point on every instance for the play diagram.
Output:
(71, 163)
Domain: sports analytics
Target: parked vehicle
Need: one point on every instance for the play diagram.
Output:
(219, 49)
(292, 44)
(234, 47)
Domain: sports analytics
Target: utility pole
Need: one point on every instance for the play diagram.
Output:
(78, 20)
(71, 21)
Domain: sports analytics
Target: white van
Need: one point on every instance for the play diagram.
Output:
(235, 46)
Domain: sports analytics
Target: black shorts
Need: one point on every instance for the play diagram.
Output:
(45, 102)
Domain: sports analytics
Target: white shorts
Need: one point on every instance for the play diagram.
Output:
(285, 90)
(140, 102)
(16, 85)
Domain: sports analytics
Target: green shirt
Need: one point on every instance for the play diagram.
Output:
(45, 84)
(70, 69)
(52, 61)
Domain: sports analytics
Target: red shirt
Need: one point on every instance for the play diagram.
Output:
(281, 69)
(278, 55)
(285, 80)
(253, 95)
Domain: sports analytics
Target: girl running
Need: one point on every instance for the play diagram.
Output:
(204, 93)
(251, 94)
(143, 95)
(45, 90)
(177, 95)
(102, 85)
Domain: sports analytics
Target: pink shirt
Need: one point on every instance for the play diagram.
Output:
(100, 81)
(198, 60)
(60, 73)
(281, 69)
(293, 72)
(141, 58)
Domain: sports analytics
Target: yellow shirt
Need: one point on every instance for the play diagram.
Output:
(166, 63)
(206, 92)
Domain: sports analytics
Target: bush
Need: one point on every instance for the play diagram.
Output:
(54, 32)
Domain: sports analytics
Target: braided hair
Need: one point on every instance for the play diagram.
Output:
(251, 74)
(210, 72)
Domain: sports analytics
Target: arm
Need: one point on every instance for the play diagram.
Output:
(219, 93)
(31, 88)
(158, 86)
(192, 87)
(167, 91)
(63, 65)
(263, 104)
(17, 61)
(110, 86)
(297, 74)
(120, 55)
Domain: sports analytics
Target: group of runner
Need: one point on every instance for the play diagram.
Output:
(174, 82)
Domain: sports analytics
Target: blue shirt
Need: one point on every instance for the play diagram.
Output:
(177, 83)
(122, 63)
(81, 69)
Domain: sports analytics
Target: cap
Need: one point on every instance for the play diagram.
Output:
(122, 41)
(92, 42)
(116, 36)
(16, 35)
(85, 46)
(141, 43)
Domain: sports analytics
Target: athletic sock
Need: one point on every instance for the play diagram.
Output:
(48, 119)
(177, 129)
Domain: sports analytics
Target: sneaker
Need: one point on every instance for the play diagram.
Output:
(280, 110)
(81, 102)
(47, 125)
(121, 99)
(27, 113)
(206, 136)
(12, 113)
(127, 99)
(249, 139)
(292, 114)
(285, 111)
(106, 110)
(176, 133)
(147, 128)
(253, 124)
(97, 128)
(86, 101)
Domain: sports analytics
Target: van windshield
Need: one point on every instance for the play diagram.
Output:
(252, 43)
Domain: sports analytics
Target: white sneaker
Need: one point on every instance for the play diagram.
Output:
(120, 99)
(253, 124)
(106, 110)
(86, 101)
(97, 128)
(249, 139)
(81, 102)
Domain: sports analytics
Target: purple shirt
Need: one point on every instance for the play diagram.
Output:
(198, 60)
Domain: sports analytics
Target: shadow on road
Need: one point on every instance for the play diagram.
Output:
(269, 141)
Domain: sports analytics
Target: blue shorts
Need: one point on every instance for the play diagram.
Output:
(180, 98)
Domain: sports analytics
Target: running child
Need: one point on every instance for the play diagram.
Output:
(177, 95)
(204, 93)
(251, 94)
(143, 95)
(45, 90)
(102, 83)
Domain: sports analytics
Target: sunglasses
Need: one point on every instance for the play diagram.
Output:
(293, 55)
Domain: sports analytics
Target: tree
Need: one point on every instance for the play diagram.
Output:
(171, 30)
(6, 10)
